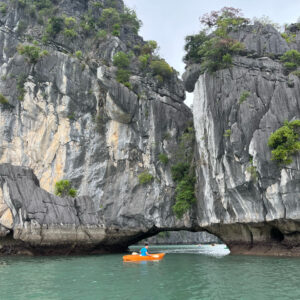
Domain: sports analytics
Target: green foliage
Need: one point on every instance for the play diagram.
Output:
(121, 60)
(244, 95)
(69, 22)
(45, 39)
(21, 27)
(116, 30)
(224, 21)
(144, 60)
(183, 173)
(20, 86)
(284, 142)
(185, 149)
(123, 77)
(3, 100)
(289, 37)
(78, 54)
(163, 158)
(296, 73)
(72, 192)
(97, 5)
(227, 133)
(291, 59)
(21, 3)
(130, 19)
(145, 177)
(31, 53)
(101, 34)
(161, 68)
(192, 46)
(55, 25)
(227, 60)
(43, 4)
(290, 66)
(3, 8)
(109, 17)
(185, 196)
(111, 3)
(214, 51)
(179, 171)
(63, 189)
(70, 33)
(253, 172)
(149, 47)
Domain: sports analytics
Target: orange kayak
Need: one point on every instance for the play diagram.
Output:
(138, 257)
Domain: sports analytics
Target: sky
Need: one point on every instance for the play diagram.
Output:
(169, 21)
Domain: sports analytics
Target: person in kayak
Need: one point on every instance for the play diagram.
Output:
(144, 251)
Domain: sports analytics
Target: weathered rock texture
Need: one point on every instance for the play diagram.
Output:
(181, 238)
(244, 198)
(77, 122)
(67, 117)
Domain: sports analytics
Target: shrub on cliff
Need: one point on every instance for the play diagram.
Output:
(244, 96)
(3, 8)
(121, 60)
(284, 142)
(130, 19)
(31, 53)
(291, 59)
(109, 17)
(192, 46)
(145, 177)
(163, 158)
(213, 47)
(185, 195)
(149, 48)
(161, 68)
(3, 100)
(183, 173)
(55, 25)
(63, 189)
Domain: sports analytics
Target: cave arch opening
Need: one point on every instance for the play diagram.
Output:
(276, 235)
(176, 237)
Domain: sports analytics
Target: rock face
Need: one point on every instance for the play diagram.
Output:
(64, 115)
(40, 221)
(67, 117)
(181, 238)
(244, 197)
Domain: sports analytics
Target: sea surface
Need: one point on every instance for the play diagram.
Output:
(186, 272)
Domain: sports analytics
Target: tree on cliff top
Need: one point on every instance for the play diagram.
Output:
(213, 47)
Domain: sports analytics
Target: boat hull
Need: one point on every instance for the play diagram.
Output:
(157, 256)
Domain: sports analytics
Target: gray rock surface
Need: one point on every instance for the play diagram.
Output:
(261, 40)
(181, 238)
(243, 196)
(77, 122)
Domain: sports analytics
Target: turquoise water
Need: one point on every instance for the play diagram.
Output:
(186, 272)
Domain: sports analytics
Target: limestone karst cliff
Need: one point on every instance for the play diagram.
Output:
(68, 113)
(84, 98)
(247, 199)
